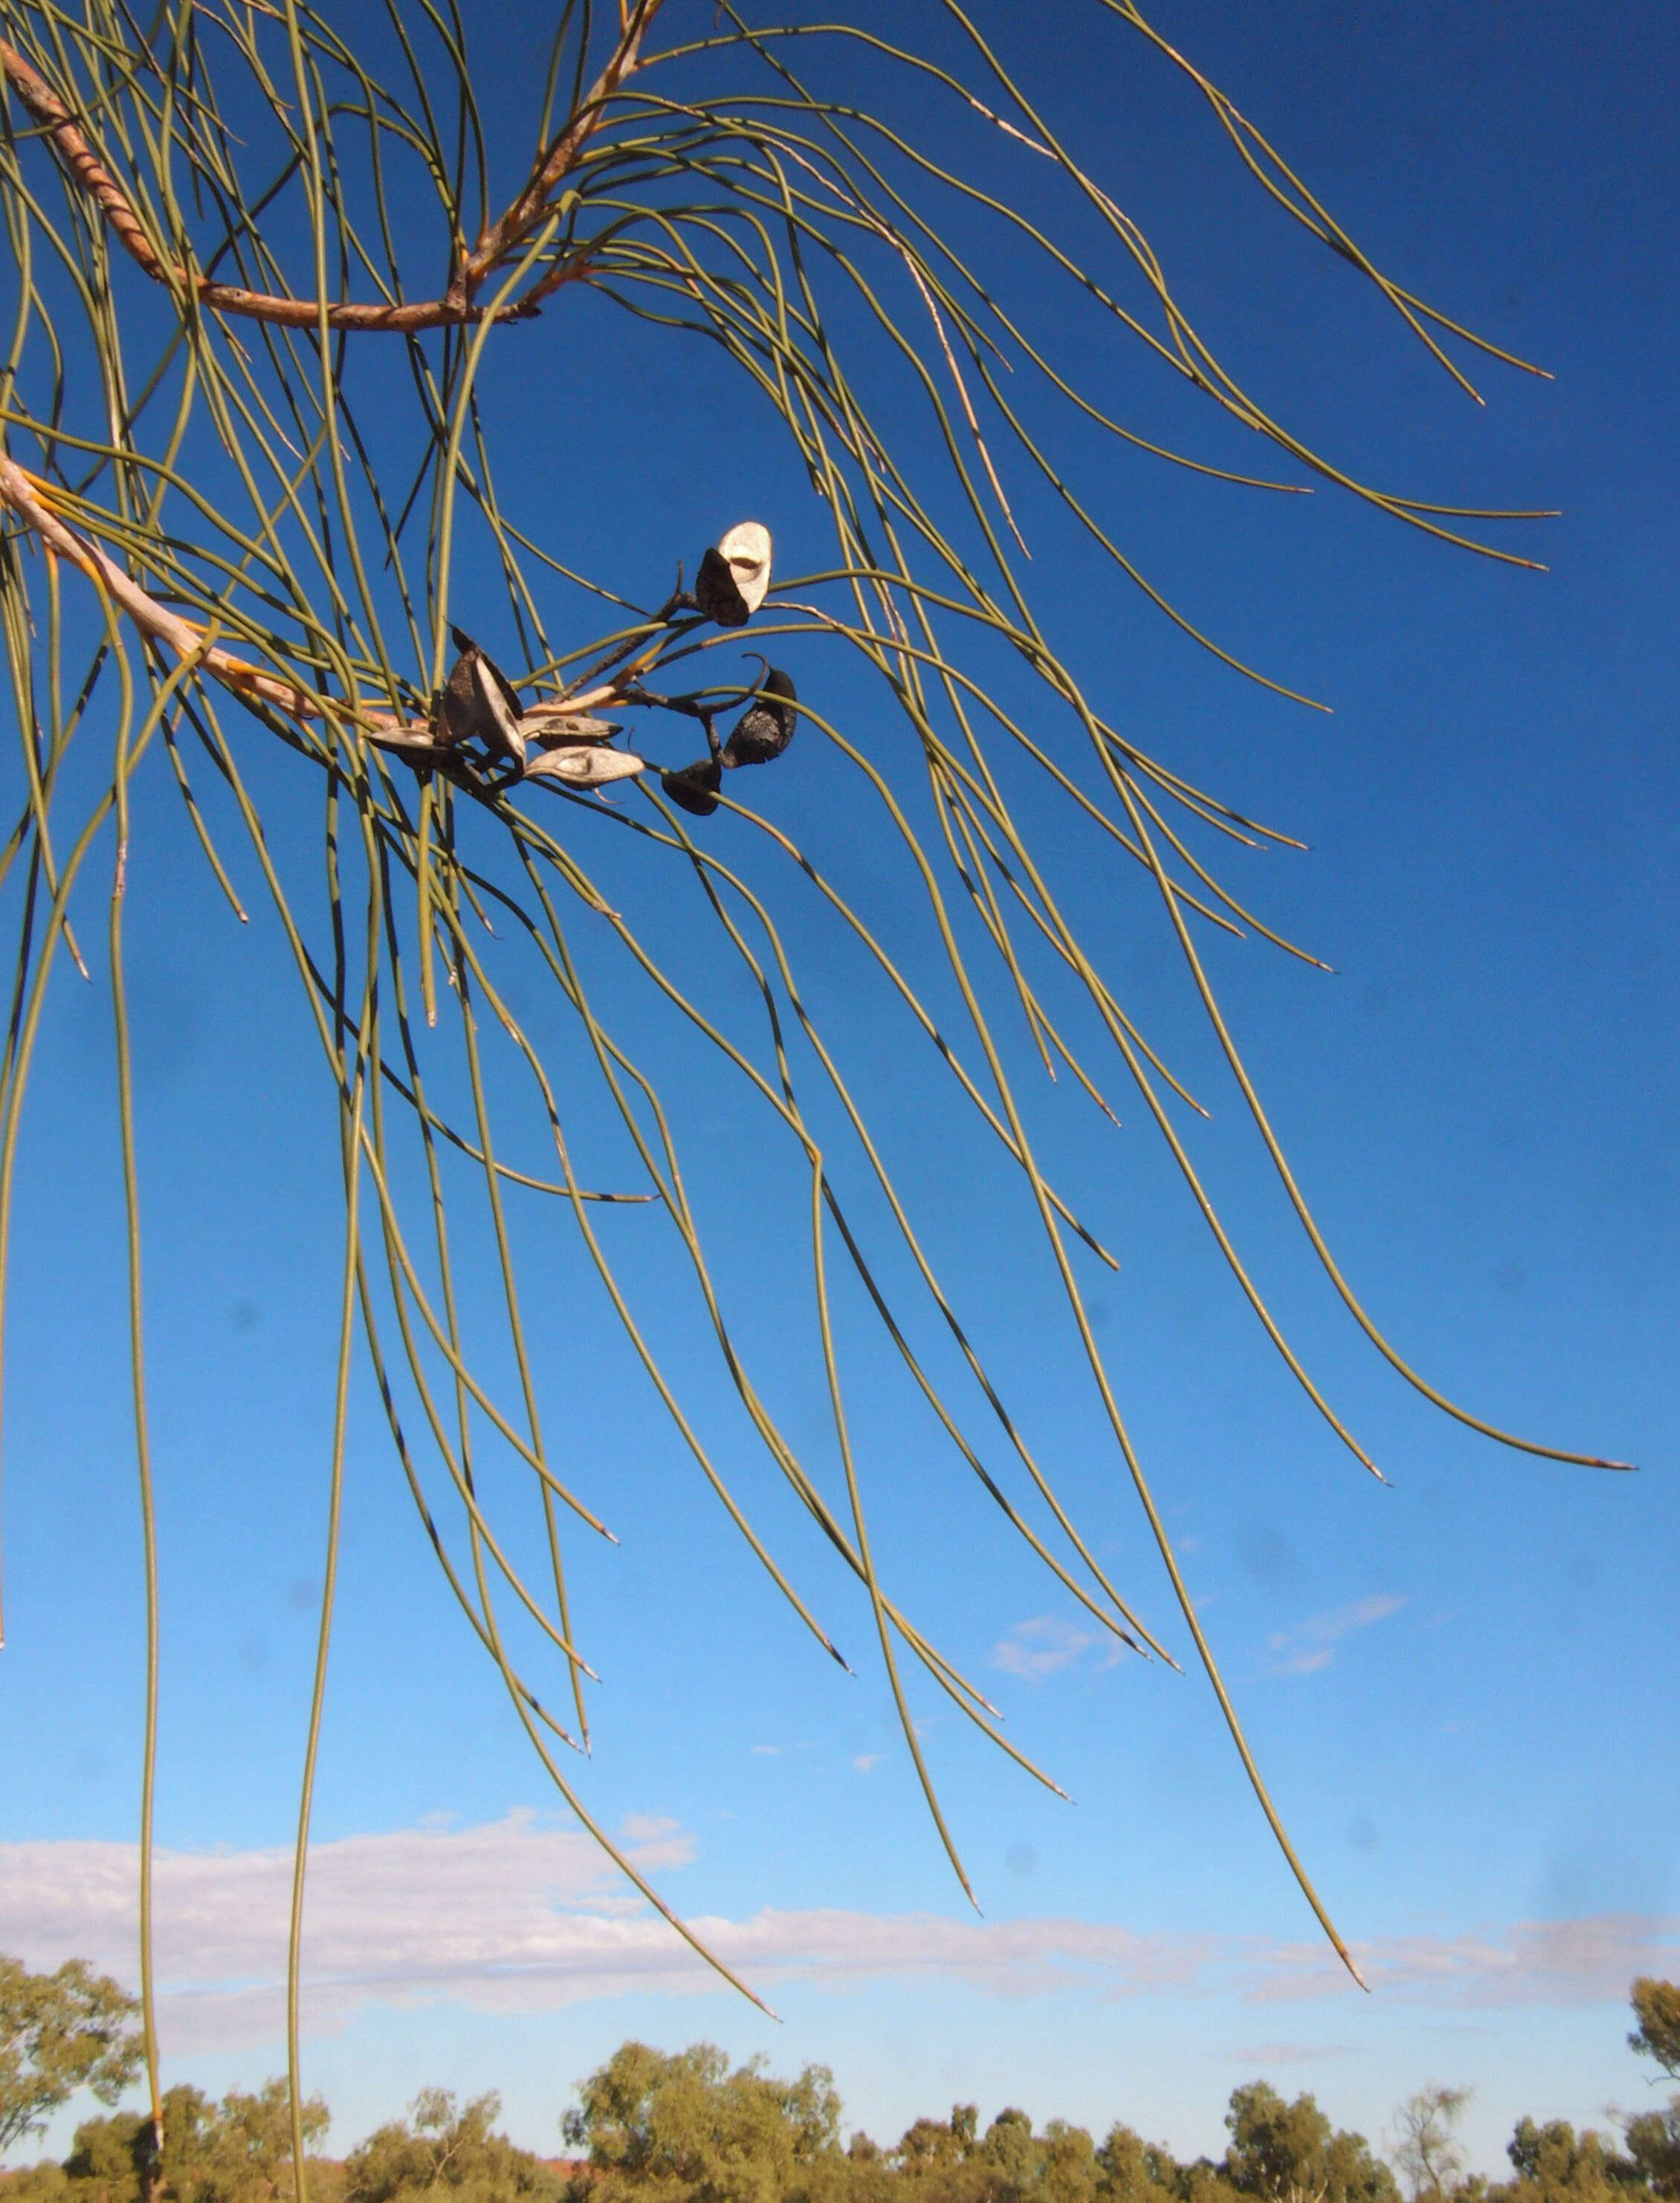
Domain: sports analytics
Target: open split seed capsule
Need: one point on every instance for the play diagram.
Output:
(734, 575)
(583, 764)
(480, 703)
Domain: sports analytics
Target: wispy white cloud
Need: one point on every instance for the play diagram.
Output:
(1048, 1643)
(1588, 1960)
(865, 1760)
(663, 1841)
(414, 1913)
(520, 1916)
(1305, 1650)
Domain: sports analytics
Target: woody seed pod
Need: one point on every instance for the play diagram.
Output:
(734, 575)
(480, 703)
(765, 727)
(694, 788)
(582, 765)
(416, 743)
(549, 728)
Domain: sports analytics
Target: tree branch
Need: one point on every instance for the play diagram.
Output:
(588, 765)
(558, 162)
(455, 309)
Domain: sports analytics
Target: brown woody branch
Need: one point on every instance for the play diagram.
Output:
(456, 309)
(31, 500)
(557, 164)
(589, 765)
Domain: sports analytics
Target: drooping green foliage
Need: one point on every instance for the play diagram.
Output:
(1286, 2153)
(671, 2128)
(1656, 2011)
(687, 2126)
(1552, 2163)
(684, 2127)
(267, 261)
(60, 2032)
(448, 2151)
(665, 2129)
(1652, 2140)
(1653, 2137)
(237, 2151)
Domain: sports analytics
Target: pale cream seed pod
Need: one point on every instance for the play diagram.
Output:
(745, 551)
(583, 766)
(734, 575)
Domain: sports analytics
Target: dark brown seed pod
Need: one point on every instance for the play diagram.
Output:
(696, 787)
(479, 703)
(765, 727)
(716, 593)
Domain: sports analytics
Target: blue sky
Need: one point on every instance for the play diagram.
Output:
(1462, 1689)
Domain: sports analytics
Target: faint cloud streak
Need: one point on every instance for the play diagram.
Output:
(522, 1916)
(1048, 1643)
(1309, 1648)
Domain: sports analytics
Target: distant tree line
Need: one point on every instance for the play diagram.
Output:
(651, 2127)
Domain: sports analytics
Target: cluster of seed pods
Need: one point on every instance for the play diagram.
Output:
(733, 578)
(478, 719)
